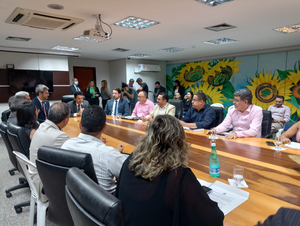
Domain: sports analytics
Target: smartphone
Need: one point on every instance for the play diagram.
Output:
(206, 189)
(270, 143)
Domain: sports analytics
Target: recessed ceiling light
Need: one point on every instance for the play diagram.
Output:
(55, 6)
(288, 29)
(11, 38)
(221, 41)
(139, 55)
(220, 27)
(84, 38)
(120, 50)
(213, 2)
(171, 49)
(65, 48)
(135, 23)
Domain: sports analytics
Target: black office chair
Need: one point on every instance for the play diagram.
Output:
(219, 115)
(67, 98)
(19, 143)
(179, 107)
(89, 204)
(266, 124)
(5, 115)
(53, 165)
(13, 160)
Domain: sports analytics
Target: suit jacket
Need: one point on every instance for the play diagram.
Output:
(73, 89)
(12, 119)
(169, 110)
(123, 107)
(37, 103)
(72, 104)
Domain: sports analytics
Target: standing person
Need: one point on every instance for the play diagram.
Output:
(130, 84)
(144, 86)
(74, 87)
(158, 89)
(92, 93)
(105, 93)
(178, 89)
(155, 185)
(187, 102)
(41, 102)
(117, 104)
(131, 95)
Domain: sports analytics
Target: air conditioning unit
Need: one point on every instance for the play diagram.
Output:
(147, 68)
(41, 20)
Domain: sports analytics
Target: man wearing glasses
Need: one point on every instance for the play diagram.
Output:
(201, 115)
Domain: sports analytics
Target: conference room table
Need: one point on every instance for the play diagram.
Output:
(273, 178)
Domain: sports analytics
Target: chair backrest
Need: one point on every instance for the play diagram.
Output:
(179, 107)
(219, 115)
(217, 105)
(90, 204)
(3, 132)
(266, 123)
(67, 98)
(53, 165)
(5, 115)
(18, 139)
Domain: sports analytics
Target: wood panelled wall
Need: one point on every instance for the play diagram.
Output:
(61, 86)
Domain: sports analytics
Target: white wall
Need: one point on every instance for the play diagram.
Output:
(148, 77)
(117, 72)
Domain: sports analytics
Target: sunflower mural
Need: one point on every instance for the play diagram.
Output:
(213, 95)
(294, 78)
(193, 72)
(265, 88)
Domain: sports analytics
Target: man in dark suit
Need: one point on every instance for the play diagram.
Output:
(74, 87)
(41, 102)
(117, 105)
(78, 104)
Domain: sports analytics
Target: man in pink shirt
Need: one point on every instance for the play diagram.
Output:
(144, 106)
(245, 117)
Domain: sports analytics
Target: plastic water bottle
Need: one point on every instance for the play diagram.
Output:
(214, 162)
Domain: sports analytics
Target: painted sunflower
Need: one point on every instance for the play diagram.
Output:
(222, 72)
(265, 88)
(213, 95)
(192, 72)
(295, 79)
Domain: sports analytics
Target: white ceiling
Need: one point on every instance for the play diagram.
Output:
(182, 24)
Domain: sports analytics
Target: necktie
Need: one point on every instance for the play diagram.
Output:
(77, 88)
(78, 108)
(116, 106)
(43, 105)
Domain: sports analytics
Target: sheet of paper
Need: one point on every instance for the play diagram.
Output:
(294, 145)
(204, 183)
(194, 129)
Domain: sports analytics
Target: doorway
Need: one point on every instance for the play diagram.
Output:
(84, 75)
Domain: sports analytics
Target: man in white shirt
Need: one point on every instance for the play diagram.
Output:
(107, 161)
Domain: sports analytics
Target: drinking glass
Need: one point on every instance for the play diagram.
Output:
(213, 134)
(120, 116)
(238, 175)
(278, 143)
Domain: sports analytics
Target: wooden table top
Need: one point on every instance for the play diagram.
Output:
(273, 178)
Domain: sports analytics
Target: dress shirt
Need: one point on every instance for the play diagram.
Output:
(161, 110)
(204, 118)
(246, 124)
(75, 114)
(280, 113)
(142, 110)
(107, 161)
(113, 108)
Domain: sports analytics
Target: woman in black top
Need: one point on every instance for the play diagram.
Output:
(178, 88)
(155, 185)
(187, 102)
(27, 115)
(92, 93)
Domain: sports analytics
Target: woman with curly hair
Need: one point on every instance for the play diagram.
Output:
(155, 185)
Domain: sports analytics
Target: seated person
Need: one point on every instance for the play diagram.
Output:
(107, 160)
(177, 96)
(187, 102)
(162, 108)
(14, 102)
(144, 107)
(41, 101)
(294, 130)
(117, 104)
(245, 117)
(27, 115)
(131, 96)
(23, 93)
(201, 115)
(156, 186)
(280, 114)
(78, 104)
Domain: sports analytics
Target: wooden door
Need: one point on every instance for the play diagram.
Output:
(84, 75)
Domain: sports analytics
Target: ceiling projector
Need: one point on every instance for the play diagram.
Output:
(96, 34)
